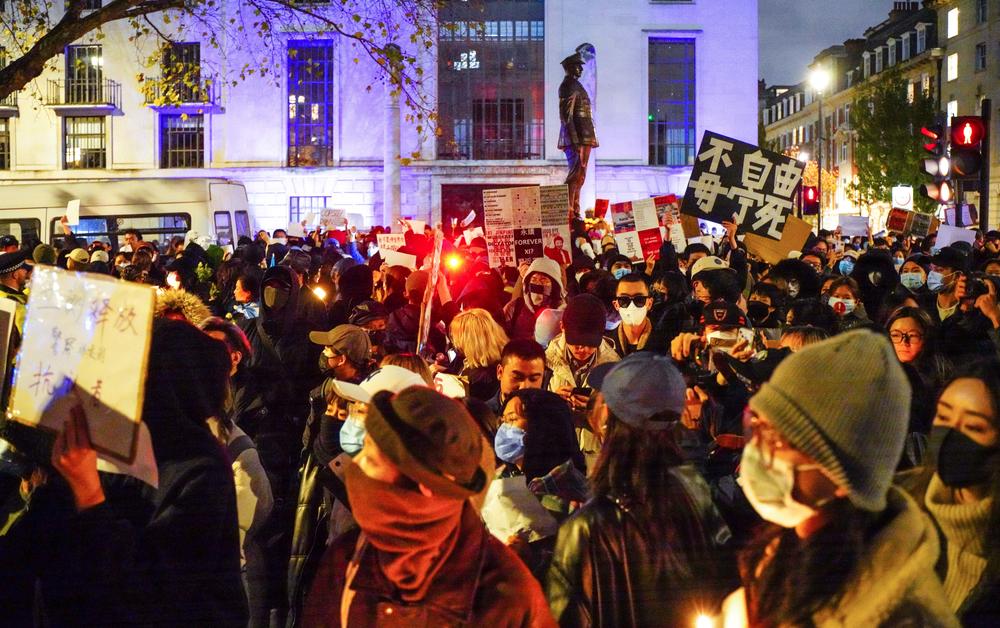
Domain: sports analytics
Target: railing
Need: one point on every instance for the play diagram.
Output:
(524, 140)
(10, 100)
(164, 93)
(84, 92)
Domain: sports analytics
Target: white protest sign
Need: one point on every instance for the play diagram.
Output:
(471, 234)
(310, 219)
(73, 212)
(86, 337)
(948, 234)
(417, 226)
(295, 230)
(554, 207)
(395, 258)
(390, 242)
(332, 218)
(510, 508)
(851, 226)
(499, 227)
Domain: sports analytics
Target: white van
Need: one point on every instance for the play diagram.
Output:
(157, 208)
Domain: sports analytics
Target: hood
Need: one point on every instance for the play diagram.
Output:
(549, 268)
(181, 305)
(355, 284)
(186, 383)
(283, 284)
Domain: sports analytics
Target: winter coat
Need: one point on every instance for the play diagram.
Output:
(562, 372)
(520, 314)
(895, 583)
(482, 583)
(605, 572)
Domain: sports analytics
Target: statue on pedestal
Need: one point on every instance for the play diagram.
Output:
(576, 133)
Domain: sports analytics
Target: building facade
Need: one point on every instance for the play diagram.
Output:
(906, 42)
(665, 71)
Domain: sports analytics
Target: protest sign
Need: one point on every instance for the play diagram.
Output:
(512, 509)
(525, 223)
(423, 332)
(395, 258)
(851, 226)
(471, 234)
(637, 229)
(76, 328)
(417, 226)
(911, 223)
(295, 230)
(739, 182)
(948, 234)
(390, 242)
(8, 310)
(332, 218)
(601, 207)
(793, 238)
(73, 212)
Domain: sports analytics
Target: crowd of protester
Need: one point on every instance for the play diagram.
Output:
(581, 441)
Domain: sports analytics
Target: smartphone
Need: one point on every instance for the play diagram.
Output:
(582, 390)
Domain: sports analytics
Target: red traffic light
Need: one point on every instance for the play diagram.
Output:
(810, 194)
(933, 135)
(967, 131)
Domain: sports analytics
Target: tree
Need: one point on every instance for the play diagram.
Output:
(395, 34)
(888, 148)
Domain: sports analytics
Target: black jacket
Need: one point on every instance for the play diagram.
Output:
(606, 573)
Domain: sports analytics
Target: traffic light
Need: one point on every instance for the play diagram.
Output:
(967, 133)
(936, 164)
(810, 200)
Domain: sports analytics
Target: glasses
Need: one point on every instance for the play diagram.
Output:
(639, 300)
(768, 438)
(899, 337)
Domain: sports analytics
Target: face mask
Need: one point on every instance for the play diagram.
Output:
(538, 294)
(274, 298)
(352, 436)
(846, 267)
(769, 491)
(633, 315)
(621, 272)
(912, 281)
(843, 306)
(509, 443)
(961, 461)
(377, 337)
(757, 311)
(875, 278)
(282, 241)
(372, 250)
(936, 281)
(579, 276)
(794, 288)
(898, 263)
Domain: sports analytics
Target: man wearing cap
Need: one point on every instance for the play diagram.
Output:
(9, 244)
(374, 319)
(948, 270)
(78, 260)
(15, 272)
(580, 347)
(346, 352)
(423, 557)
(649, 548)
(576, 134)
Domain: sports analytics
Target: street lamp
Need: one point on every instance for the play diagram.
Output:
(819, 79)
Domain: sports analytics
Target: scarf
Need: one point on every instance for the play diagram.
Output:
(413, 534)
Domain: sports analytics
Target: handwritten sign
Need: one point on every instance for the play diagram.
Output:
(86, 338)
(332, 218)
(391, 241)
(637, 229)
(739, 182)
(523, 224)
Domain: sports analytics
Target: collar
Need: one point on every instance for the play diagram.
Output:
(453, 592)
(8, 290)
(647, 329)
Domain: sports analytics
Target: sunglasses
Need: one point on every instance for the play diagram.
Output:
(639, 300)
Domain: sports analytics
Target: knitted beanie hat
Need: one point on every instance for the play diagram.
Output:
(844, 402)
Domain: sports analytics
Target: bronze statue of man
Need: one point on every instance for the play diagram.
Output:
(576, 133)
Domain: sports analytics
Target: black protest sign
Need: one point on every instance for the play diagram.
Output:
(739, 182)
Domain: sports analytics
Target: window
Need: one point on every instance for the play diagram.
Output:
(953, 66)
(671, 102)
(910, 91)
(892, 53)
(491, 83)
(223, 228)
(868, 64)
(181, 67)
(4, 143)
(299, 206)
(951, 110)
(84, 142)
(921, 38)
(156, 228)
(26, 230)
(92, 5)
(878, 59)
(906, 47)
(84, 74)
(310, 103)
(925, 84)
(242, 223)
(980, 57)
(182, 141)
(981, 11)
(952, 23)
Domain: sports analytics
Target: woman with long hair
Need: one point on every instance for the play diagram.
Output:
(649, 548)
(479, 340)
(913, 335)
(845, 547)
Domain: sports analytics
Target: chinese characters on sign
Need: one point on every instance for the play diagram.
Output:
(82, 333)
(523, 224)
(637, 229)
(739, 182)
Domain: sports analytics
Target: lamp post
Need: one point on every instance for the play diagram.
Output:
(802, 157)
(819, 79)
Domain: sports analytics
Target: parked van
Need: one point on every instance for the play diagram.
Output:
(157, 208)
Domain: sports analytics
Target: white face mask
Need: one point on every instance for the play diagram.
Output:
(633, 315)
(769, 490)
(843, 306)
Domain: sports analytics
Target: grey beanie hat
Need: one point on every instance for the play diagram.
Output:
(845, 403)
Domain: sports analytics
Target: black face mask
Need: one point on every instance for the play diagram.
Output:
(377, 337)
(961, 461)
(757, 311)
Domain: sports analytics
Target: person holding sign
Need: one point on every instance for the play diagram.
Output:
(542, 288)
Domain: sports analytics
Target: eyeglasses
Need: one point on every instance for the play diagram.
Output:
(899, 337)
(639, 300)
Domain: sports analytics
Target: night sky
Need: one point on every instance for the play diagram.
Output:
(792, 32)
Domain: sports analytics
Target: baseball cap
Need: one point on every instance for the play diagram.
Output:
(723, 314)
(390, 377)
(349, 340)
(709, 262)
(80, 256)
(8, 240)
(950, 257)
(99, 256)
(366, 312)
(642, 386)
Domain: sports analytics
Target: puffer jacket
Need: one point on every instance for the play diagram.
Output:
(562, 372)
(895, 583)
(605, 571)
